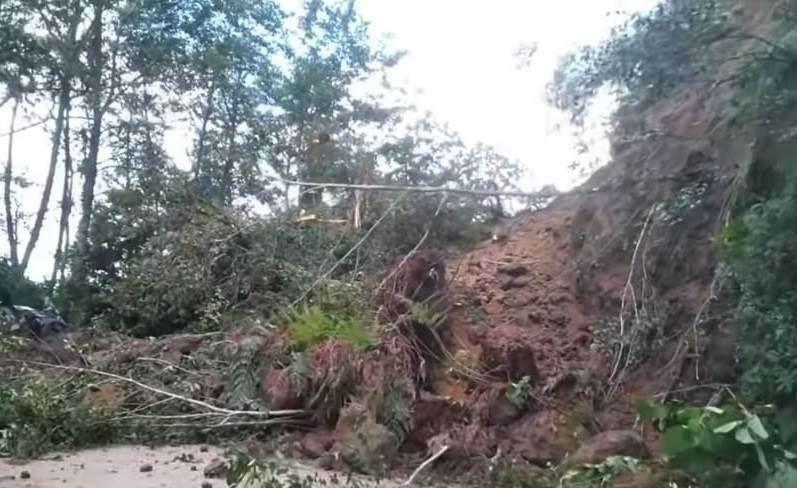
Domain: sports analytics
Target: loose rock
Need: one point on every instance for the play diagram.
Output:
(145, 468)
(518, 282)
(25, 475)
(513, 270)
(216, 469)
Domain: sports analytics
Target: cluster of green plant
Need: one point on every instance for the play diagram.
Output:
(509, 474)
(16, 288)
(646, 57)
(601, 475)
(313, 325)
(248, 472)
(519, 393)
(36, 418)
(395, 412)
(729, 446)
(762, 255)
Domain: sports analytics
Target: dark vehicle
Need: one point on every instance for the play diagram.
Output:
(38, 323)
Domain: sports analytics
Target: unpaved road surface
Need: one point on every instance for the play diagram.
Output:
(128, 467)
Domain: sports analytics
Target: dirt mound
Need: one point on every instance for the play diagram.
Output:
(606, 296)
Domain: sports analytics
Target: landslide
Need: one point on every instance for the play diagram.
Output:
(614, 289)
(551, 332)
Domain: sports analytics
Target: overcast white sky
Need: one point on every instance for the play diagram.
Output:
(461, 66)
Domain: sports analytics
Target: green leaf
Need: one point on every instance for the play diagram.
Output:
(757, 427)
(715, 410)
(762, 458)
(677, 440)
(729, 427)
(744, 436)
(650, 411)
(688, 415)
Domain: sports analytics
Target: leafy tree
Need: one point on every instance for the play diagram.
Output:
(646, 57)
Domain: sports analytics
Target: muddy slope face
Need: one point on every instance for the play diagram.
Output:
(610, 294)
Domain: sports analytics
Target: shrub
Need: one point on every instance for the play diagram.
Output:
(35, 419)
(763, 256)
(730, 446)
(313, 326)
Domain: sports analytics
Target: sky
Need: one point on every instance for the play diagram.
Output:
(460, 66)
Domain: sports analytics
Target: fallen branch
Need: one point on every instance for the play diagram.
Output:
(158, 391)
(424, 464)
(437, 189)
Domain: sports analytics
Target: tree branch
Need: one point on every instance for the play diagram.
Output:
(436, 189)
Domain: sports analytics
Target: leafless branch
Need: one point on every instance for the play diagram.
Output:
(158, 391)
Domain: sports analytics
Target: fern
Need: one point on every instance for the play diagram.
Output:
(299, 369)
(396, 412)
(314, 325)
(243, 378)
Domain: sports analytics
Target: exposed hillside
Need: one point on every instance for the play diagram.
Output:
(531, 348)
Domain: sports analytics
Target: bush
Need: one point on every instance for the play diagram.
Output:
(17, 289)
(35, 419)
(763, 257)
(211, 268)
(646, 57)
(730, 446)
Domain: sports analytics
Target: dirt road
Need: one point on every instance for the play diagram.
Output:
(129, 467)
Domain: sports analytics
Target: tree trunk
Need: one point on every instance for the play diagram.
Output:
(11, 229)
(63, 101)
(89, 169)
(203, 132)
(66, 209)
(229, 164)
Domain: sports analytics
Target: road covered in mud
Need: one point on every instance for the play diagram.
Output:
(142, 467)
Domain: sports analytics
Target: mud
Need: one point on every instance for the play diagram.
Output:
(143, 467)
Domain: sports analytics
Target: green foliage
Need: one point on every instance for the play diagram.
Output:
(35, 419)
(730, 446)
(17, 289)
(248, 472)
(396, 412)
(519, 393)
(313, 326)
(645, 57)
(243, 377)
(600, 475)
(762, 261)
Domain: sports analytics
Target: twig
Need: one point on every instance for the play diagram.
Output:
(249, 423)
(629, 285)
(27, 127)
(197, 403)
(708, 386)
(698, 317)
(169, 364)
(424, 464)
